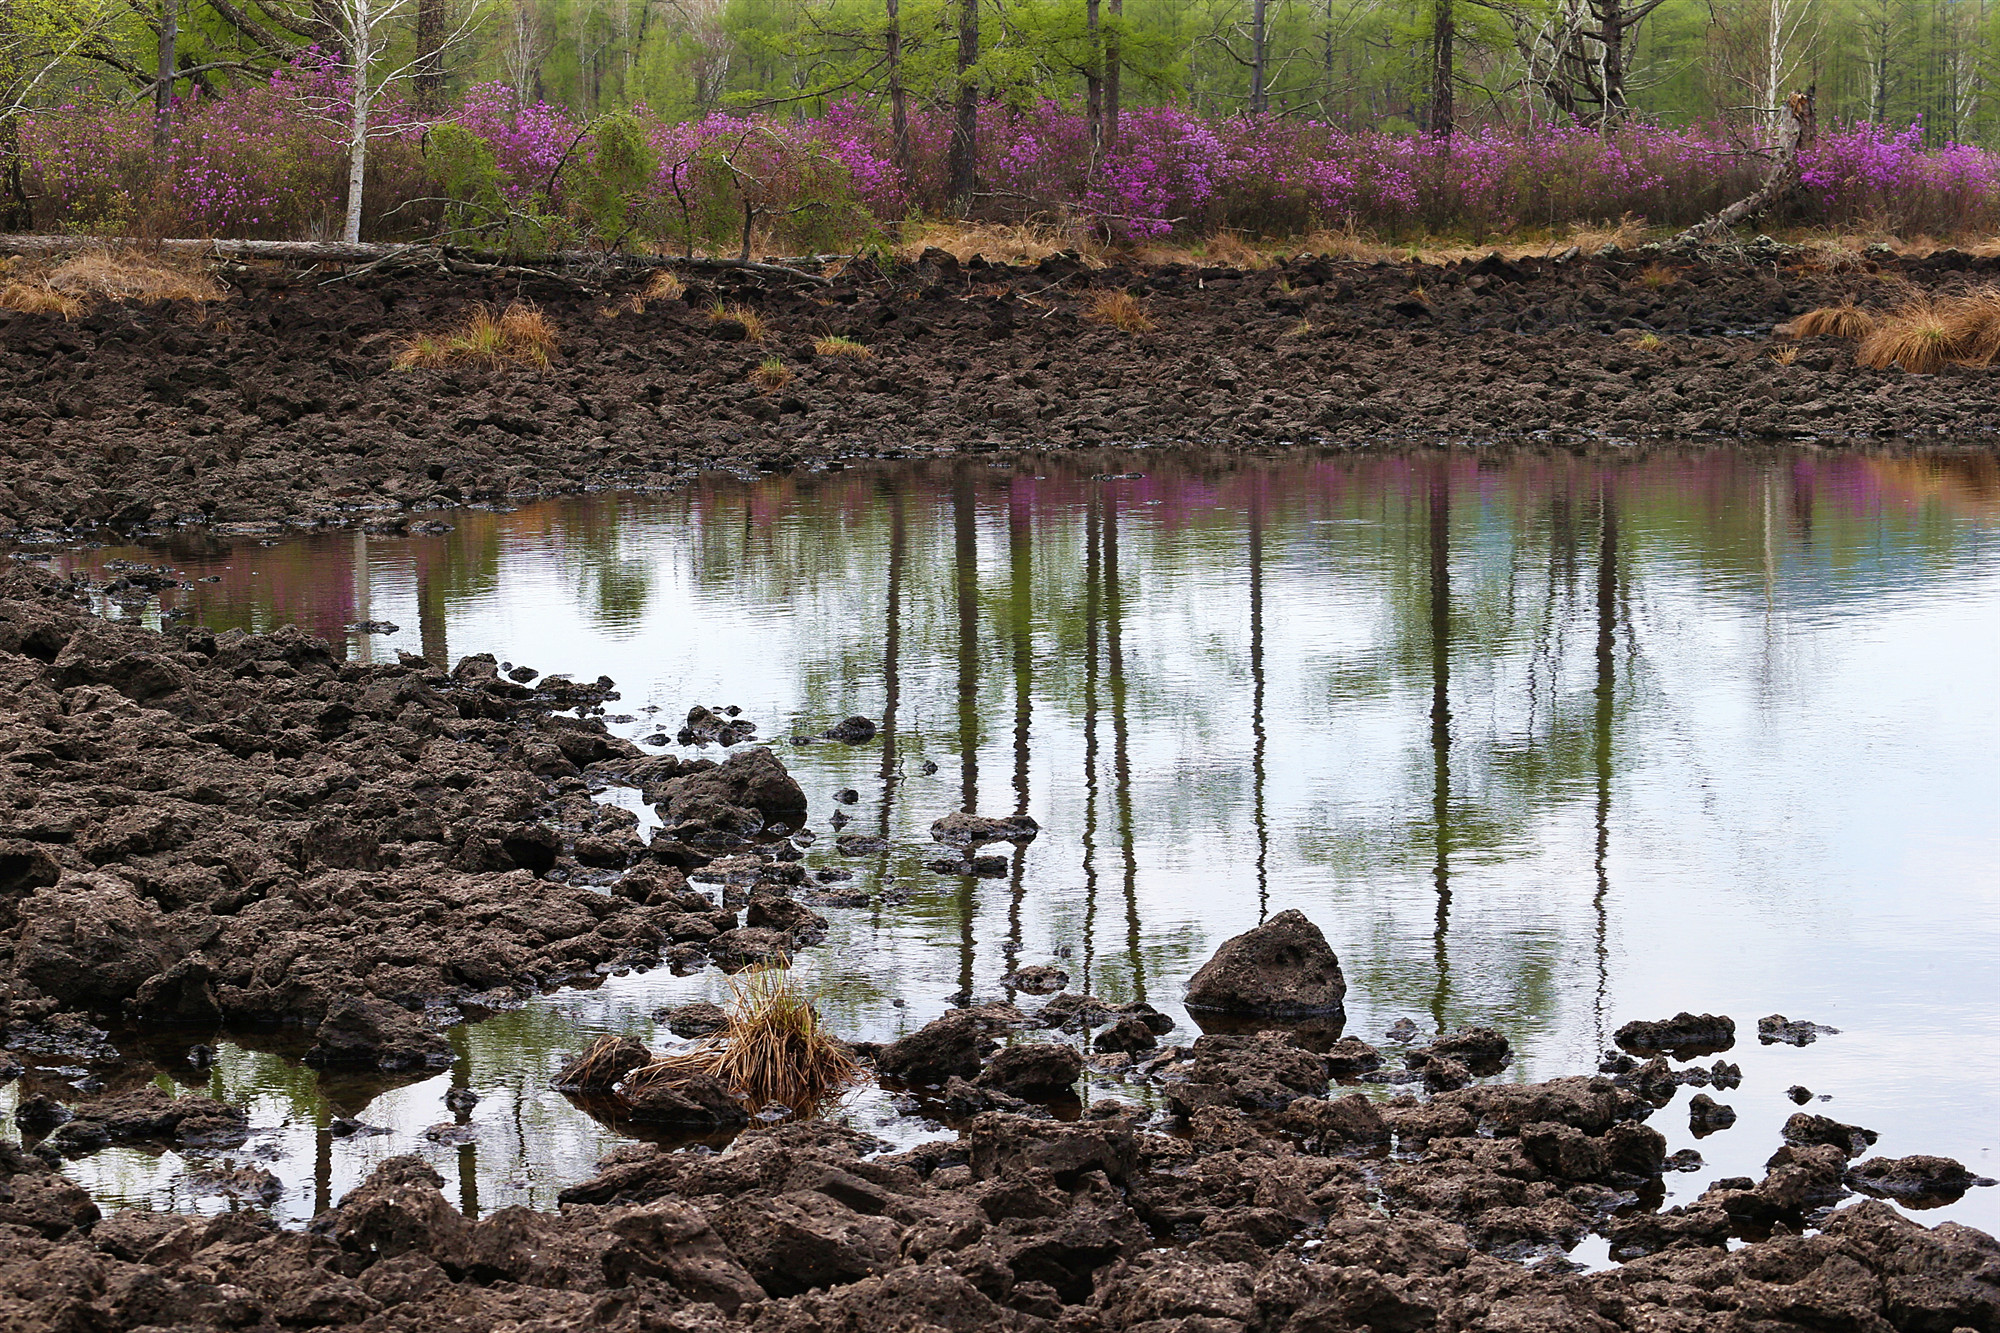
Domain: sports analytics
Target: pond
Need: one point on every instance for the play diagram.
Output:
(1541, 741)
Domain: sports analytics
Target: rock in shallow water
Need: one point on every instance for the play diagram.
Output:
(1282, 967)
(363, 1032)
(1682, 1035)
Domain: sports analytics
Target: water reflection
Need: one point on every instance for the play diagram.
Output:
(1541, 741)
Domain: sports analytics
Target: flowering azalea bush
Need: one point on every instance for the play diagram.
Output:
(270, 161)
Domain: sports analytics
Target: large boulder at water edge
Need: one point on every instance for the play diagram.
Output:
(1283, 967)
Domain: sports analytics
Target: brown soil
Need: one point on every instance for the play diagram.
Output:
(281, 403)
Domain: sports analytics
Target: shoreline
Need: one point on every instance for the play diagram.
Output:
(278, 407)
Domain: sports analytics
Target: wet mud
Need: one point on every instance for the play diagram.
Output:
(280, 405)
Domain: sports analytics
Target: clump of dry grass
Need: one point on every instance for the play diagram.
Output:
(520, 334)
(837, 346)
(70, 286)
(1834, 321)
(1647, 342)
(1786, 355)
(1023, 243)
(754, 327)
(773, 1050)
(771, 374)
(1119, 310)
(1921, 336)
(664, 286)
(1657, 277)
(1928, 333)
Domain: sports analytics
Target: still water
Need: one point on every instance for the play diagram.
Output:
(1540, 741)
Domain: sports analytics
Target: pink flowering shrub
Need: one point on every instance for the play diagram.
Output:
(270, 161)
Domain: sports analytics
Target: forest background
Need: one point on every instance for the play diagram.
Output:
(732, 124)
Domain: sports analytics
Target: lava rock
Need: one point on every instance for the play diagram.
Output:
(1805, 1129)
(1706, 1115)
(697, 1102)
(1129, 1035)
(1040, 979)
(853, 731)
(1918, 1179)
(962, 830)
(1034, 1071)
(698, 1019)
(1776, 1028)
(1682, 1035)
(1283, 967)
(367, 1033)
(599, 1071)
(953, 1044)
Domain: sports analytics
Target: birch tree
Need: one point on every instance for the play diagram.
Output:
(367, 25)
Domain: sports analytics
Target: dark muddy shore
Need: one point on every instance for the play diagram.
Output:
(279, 405)
(239, 829)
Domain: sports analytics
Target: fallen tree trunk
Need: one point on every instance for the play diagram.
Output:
(1795, 131)
(385, 255)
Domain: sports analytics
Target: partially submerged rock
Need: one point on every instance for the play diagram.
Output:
(1683, 1035)
(367, 1033)
(1776, 1028)
(698, 1019)
(1034, 1071)
(1918, 1179)
(1039, 979)
(1805, 1129)
(1283, 967)
(961, 830)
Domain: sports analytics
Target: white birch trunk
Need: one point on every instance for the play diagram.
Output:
(361, 43)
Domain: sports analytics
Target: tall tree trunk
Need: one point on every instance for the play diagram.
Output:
(360, 44)
(427, 82)
(965, 127)
(1093, 76)
(1444, 38)
(899, 101)
(1260, 46)
(1114, 59)
(1615, 35)
(163, 82)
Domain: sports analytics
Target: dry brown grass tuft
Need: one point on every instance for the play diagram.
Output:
(774, 1049)
(1657, 277)
(1024, 243)
(1834, 321)
(754, 327)
(1921, 337)
(1786, 355)
(771, 374)
(837, 346)
(1119, 310)
(664, 286)
(70, 286)
(521, 334)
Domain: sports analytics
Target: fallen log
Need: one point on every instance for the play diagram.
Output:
(1795, 131)
(389, 255)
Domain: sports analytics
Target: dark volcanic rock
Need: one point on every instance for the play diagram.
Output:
(963, 831)
(955, 1043)
(1915, 1179)
(852, 731)
(1682, 1035)
(1805, 1129)
(696, 1102)
(368, 1033)
(1483, 1051)
(699, 1019)
(1035, 1071)
(1129, 1035)
(748, 780)
(1350, 1056)
(1775, 1028)
(1282, 967)
(1266, 1072)
(1706, 1115)
(1040, 979)
(599, 1068)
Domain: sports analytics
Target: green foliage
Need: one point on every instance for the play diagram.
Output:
(611, 177)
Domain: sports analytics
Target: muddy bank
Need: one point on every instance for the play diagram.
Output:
(280, 404)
